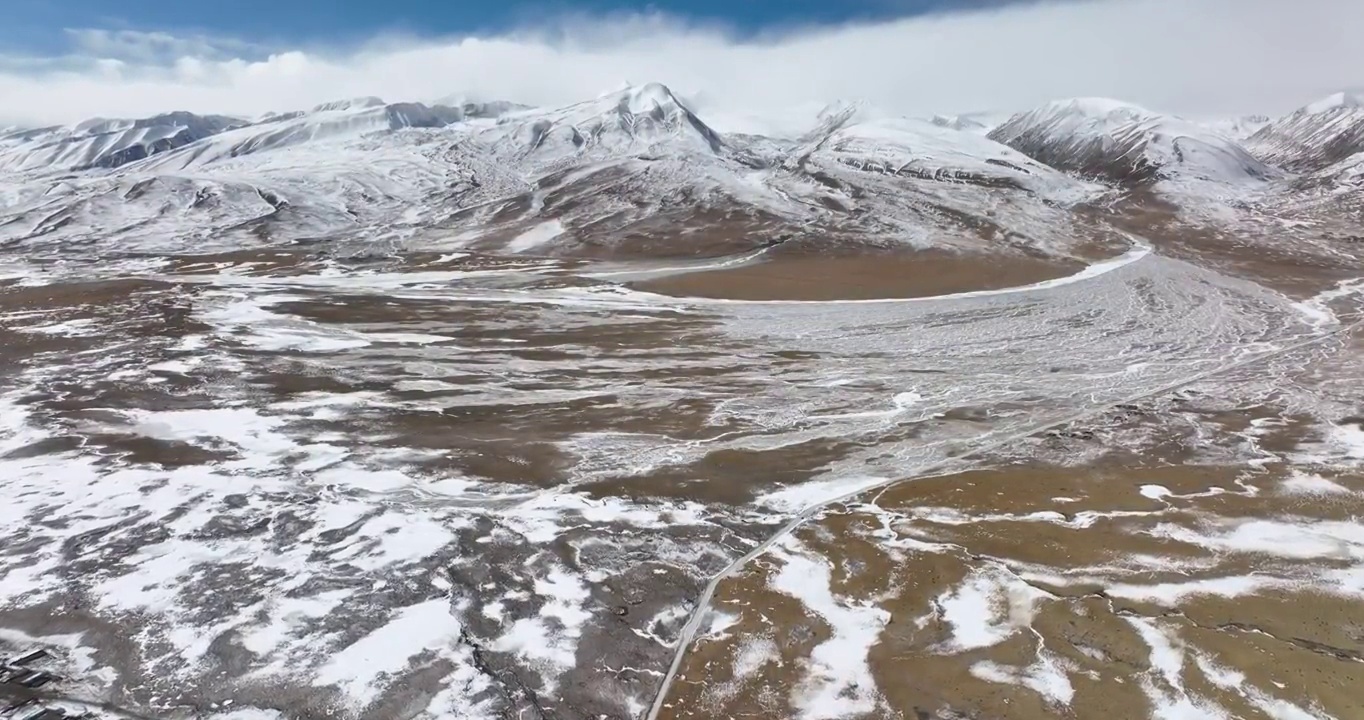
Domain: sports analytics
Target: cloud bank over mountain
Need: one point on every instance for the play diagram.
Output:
(1186, 56)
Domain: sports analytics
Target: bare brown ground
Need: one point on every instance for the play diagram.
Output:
(1060, 544)
(861, 277)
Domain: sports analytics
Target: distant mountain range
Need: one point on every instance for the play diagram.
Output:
(638, 171)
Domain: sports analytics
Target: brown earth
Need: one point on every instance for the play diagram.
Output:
(1302, 645)
(861, 277)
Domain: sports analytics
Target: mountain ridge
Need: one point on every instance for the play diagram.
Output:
(1315, 136)
(1126, 143)
(633, 168)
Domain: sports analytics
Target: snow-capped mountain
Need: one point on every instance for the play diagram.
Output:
(339, 168)
(1238, 128)
(634, 170)
(102, 143)
(930, 150)
(1126, 143)
(629, 120)
(108, 144)
(1314, 137)
(638, 169)
(914, 181)
(331, 121)
(962, 122)
(627, 167)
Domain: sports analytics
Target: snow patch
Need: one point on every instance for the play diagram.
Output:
(536, 236)
(838, 682)
(795, 498)
(1304, 539)
(551, 647)
(1349, 439)
(1046, 676)
(1163, 683)
(987, 608)
(360, 669)
(1155, 492)
(1303, 483)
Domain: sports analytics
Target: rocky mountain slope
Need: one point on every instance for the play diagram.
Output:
(1314, 137)
(1125, 143)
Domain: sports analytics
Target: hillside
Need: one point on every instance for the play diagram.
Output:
(1128, 144)
(1315, 136)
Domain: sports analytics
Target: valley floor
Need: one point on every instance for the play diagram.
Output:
(861, 277)
(274, 484)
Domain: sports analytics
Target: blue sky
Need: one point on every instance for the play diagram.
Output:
(38, 25)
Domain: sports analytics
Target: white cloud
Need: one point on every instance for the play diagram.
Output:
(151, 47)
(1188, 56)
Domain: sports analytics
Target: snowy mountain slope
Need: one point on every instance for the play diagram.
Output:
(659, 204)
(1348, 173)
(854, 178)
(1314, 137)
(135, 213)
(917, 182)
(632, 171)
(340, 120)
(915, 148)
(102, 143)
(1125, 143)
(1238, 128)
(355, 191)
(631, 120)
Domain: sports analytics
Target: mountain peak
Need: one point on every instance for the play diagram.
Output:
(644, 99)
(1088, 110)
(475, 108)
(1126, 143)
(1099, 106)
(1316, 136)
(1088, 116)
(359, 103)
(109, 142)
(1341, 100)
